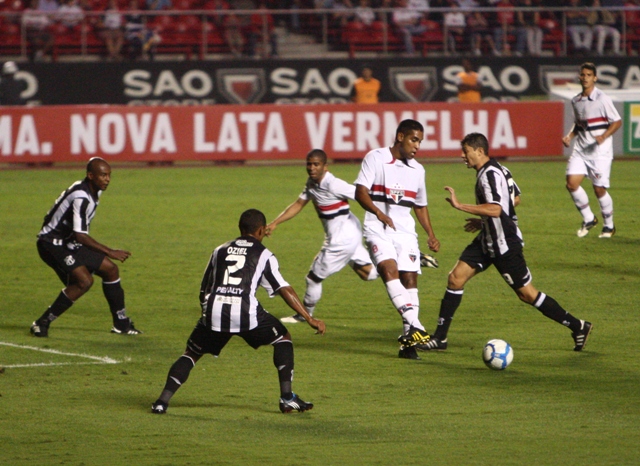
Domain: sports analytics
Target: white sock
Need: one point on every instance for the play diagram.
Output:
(312, 295)
(581, 200)
(373, 273)
(415, 302)
(606, 207)
(402, 301)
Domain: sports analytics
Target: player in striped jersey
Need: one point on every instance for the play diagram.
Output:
(343, 236)
(64, 245)
(390, 185)
(596, 119)
(230, 307)
(499, 243)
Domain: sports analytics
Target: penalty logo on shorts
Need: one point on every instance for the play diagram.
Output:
(69, 260)
(396, 192)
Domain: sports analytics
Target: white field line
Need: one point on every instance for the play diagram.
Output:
(97, 359)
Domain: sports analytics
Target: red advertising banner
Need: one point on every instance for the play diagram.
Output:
(268, 132)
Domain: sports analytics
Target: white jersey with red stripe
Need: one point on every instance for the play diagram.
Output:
(395, 187)
(331, 198)
(592, 116)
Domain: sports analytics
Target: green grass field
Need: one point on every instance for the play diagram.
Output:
(551, 406)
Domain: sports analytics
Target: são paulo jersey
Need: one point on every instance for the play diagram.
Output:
(593, 115)
(331, 197)
(395, 187)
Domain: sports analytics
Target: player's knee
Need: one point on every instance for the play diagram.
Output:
(455, 281)
(84, 283)
(109, 270)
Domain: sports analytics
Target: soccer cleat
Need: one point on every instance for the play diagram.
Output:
(434, 344)
(39, 330)
(607, 232)
(586, 226)
(293, 319)
(414, 337)
(159, 407)
(294, 404)
(428, 261)
(128, 330)
(408, 352)
(580, 337)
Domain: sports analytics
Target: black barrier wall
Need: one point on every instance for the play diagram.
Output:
(304, 81)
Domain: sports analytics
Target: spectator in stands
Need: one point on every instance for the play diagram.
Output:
(233, 33)
(140, 39)
(341, 12)
(505, 25)
(603, 23)
(468, 83)
(36, 24)
(478, 29)
(50, 6)
(366, 88)
(577, 26)
(261, 30)
(455, 23)
(408, 19)
(528, 32)
(155, 5)
(217, 6)
(70, 14)
(110, 30)
(10, 87)
(364, 13)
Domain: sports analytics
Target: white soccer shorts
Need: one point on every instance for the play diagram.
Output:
(333, 258)
(597, 170)
(400, 247)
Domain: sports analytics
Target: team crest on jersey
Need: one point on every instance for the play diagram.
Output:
(242, 86)
(69, 260)
(396, 192)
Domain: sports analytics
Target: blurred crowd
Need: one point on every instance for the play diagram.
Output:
(138, 29)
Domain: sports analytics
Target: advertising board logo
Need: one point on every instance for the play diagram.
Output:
(415, 83)
(552, 77)
(242, 86)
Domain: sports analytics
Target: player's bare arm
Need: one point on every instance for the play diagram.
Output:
(287, 214)
(88, 241)
(487, 210)
(570, 135)
(364, 199)
(613, 127)
(422, 214)
(293, 301)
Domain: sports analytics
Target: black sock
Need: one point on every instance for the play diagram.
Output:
(115, 297)
(61, 304)
(551, 309)
(283, 360)
(448, 306)
(178, 375)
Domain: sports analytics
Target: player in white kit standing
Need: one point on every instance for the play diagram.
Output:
(389, 186)
(596, 119)
(343, 232)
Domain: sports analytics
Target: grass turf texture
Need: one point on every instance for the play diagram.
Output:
(550, 406)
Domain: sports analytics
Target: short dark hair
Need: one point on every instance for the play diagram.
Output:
(93, 161)
(250, 221)
(476, 141)
(319, 153)
(406, 126)
(589, 66)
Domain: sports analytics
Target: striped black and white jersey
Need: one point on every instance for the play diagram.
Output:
(495, 185)
(228, 291)
(72, 213)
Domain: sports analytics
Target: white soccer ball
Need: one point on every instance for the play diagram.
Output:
(497, 354)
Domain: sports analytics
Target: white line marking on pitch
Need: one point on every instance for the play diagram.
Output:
(98, 359)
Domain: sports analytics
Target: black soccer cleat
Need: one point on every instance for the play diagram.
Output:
(414, 337)
(40, 330)
(434, 344)
(580, 337)
(408, 352)
(294, 404)
(127, 329)
(607, 232)
(159, 407)
(586, 226)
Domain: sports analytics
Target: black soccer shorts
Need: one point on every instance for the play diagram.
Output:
(512, 266)
(63, 260)
(204, 340)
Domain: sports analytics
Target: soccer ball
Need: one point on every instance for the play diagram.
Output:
(497, 354)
